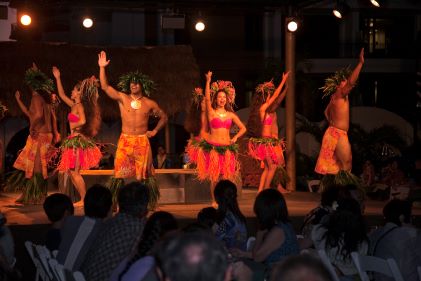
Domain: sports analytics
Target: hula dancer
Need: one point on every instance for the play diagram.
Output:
(335, 157)
(265, 145)
(79, 151)
(33, 158)
(216, 157)
(134, 156)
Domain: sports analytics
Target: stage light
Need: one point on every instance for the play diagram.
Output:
(25, 19)
(292, 26)
(340, 10)
(375, 3)
(88, 22)
(200, 26)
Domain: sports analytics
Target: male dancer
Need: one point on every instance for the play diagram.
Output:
(134, 156)
(335, 154)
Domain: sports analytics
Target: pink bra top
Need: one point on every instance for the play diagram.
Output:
(73, 118)
(268, 120)
(217, 123)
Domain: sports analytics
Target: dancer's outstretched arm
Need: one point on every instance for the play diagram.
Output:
(60, 89)
(22, 106)
(275, 95)
(354, 75)
(208, 101)
(110, 91)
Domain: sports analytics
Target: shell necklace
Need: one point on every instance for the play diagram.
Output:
(136, 102)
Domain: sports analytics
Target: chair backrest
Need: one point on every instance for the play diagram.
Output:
(324, 258)
(313, 185)
(250, 243)
(43, 254)
(366, 264)
(30, 247)
(57, 270)
(419, 272)
(78, 276)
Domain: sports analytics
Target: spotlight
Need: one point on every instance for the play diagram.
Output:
(341, 10)
(375, 3)
(200, 26)
(292, 24)
(88, 22)
(25, 19)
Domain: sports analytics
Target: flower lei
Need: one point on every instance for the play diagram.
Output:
(332, 82)
(136, 77)
(226, 87)
(266, 88)
(197, 95)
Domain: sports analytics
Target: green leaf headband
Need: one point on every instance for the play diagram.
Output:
(136, 77)
(332, 82)
(38, 80)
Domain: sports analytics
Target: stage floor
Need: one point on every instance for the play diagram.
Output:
(299, 204)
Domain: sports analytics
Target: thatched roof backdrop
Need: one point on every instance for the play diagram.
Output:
(173, 68)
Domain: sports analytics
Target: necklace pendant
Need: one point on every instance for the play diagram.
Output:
(136, 104)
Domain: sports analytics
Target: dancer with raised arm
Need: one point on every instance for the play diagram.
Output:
(216, 157)
(265, 145)
(33, 159)
(335, 154)
(133, 156)
(79, 151)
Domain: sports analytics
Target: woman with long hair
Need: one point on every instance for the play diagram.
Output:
(216, 157)
(135, 268)
(79, 151)
(231, 223)
(264, 144)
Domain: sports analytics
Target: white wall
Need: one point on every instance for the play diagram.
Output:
(5, 25)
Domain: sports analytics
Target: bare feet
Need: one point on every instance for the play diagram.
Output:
(214, 204)
(78, 203)
(282, 190)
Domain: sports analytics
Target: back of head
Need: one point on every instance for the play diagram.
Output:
(133, 198)
(270, 208)
(98, 201)
(193, 256)
(56, 205)
(398, 211)
(226, 196)
(300, 268)
(207, 216)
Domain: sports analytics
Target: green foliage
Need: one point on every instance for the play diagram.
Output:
(332, 82)
(15, 181)
(220, 149)
(281, 177)
(78, 141)
(136, 77)
(38, 80)
(342, 178)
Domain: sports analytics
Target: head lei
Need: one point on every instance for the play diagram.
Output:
(38, 80)
(3, 110)
(89, 88)
(197, 96)
(136, 77)
(332, 82)
(265, 89)
(226, 87)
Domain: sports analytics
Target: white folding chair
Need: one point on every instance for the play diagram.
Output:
(366, 264)
(78, 276)
(43, 254)
(30, 249)
(57, 269)
(324, 258)
(312, 185)
(419, 272)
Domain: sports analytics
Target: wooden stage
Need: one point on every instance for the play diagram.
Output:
(299, 204)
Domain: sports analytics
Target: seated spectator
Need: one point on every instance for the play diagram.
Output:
(343, 232)
(119, 234)
(368, 175)
(57, 207)
(161, 160)
(231, 223)
(193, 256)
(207, 217)
(79, 232)
(397, 239)
(276, 237)
(300, 268)
(7, 253)
(137, 266)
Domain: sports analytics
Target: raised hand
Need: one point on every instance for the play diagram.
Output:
(56, 72)
(102, 59)
(362, 55)
(208, 76)
(17, 95)
(285, 75)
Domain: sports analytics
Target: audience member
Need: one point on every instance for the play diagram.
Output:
(397, 239)
(161, 161)
(300, 268)
(207, 217)
(137, 266)
(343, 232)
(231, 223)
(191, 257)
(119, 234)
(57, 207)
(79, 232)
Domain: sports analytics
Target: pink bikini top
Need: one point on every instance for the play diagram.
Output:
(73, 118)
(217, 123)
(268, 120)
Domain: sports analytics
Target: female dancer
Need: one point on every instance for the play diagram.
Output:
(78, 150)
(216, 157)
(265, 145)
